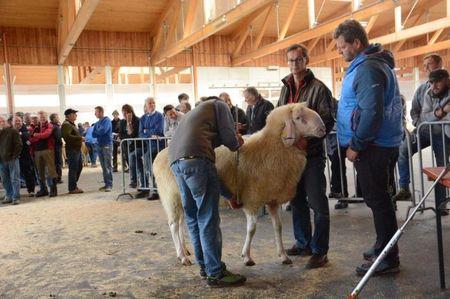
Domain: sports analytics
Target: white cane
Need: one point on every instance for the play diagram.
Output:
(238, 198)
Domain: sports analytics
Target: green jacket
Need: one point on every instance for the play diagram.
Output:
(71, 136)
(10, 144)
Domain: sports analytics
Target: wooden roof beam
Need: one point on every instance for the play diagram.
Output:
(92, 75)
(263, 27)
(423, 50)
(288, 21)
(190, 16)
(226, 20)
(313, 43)
(162, 17)
(319, 30)
(84, 14)
(413, 31)
(435, 36)
(171, 72)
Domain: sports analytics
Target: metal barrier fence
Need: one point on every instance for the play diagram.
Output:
(140, 153)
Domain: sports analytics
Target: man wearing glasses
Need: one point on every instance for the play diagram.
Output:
(301, 86)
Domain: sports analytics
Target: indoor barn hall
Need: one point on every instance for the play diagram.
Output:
(224, 148)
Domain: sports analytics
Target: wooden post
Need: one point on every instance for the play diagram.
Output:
(61, 90)
(194, 75)
(9, 88)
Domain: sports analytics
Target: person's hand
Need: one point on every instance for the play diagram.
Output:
(446, 108)
(240, 139)
(301, 144)
(129, 117)
(83, 139)
(352, 155)
(234, 203)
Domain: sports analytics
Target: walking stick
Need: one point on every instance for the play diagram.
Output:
(238, 198)
(395, 238)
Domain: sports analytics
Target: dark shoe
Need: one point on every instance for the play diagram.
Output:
(141, 194)
(403, 195)
(203, 272)
(226, 279)
(115, 170)
(41, 193)
(154, 196)
(316, 261)
(370, 255)
(341, 205)
(294, 250)
(382, 268)
(16, 201)
(132, 185)
(105, 189)
(53, 189)
(443, 212)
(76, 191)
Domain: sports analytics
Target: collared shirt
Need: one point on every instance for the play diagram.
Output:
(294, 94)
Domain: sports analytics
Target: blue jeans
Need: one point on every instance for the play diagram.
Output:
(199, 186)
(92, 149)
(141, 165)
(75, 166)
(10, 174)
(438, 150)
(311, 193)
(105, 157)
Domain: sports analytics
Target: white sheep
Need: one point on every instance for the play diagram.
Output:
(270, 167)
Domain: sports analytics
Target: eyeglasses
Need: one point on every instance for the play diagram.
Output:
(294, 61)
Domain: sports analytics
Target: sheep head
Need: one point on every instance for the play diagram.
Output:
(301, 122)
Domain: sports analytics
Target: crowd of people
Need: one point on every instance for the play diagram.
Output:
(369, 124)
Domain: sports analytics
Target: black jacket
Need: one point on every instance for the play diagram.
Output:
(257, 121)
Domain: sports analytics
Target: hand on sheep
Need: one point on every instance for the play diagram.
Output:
(240, 139)
(234, 203)
(302, 143)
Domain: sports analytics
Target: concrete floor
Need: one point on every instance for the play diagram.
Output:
(91, 246)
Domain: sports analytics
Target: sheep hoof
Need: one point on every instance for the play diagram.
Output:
(250, 263)
(287, 261)
(186, 262)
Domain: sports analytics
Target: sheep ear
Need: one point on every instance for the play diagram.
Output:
(288, 135)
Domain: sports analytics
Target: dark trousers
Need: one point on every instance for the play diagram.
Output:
(27, 170)
(373, 169)
(124, 152)
(311, 193)
(58, 161)
(338, 166)
(75, 162)
(115, 152)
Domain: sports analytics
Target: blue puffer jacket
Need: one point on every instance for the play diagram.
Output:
(370, 108)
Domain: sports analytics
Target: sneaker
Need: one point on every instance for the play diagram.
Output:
(403, 195)
(203, 272)
(383, 268)
(76, 191)
(102, 188)
(16, 201)
(41, 193)
(340, 205)
(316, 261)
(141, 194)
(108, 189)
(132, 185)
(7, 200)
(225, 279)
(30, 193)
(294, 250)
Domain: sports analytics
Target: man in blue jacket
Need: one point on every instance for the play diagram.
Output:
(369, 125)
(103, 132)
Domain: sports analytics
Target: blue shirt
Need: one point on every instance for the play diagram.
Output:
(103, 131)
(89, 137)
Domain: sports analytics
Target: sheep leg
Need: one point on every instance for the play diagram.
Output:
(277, 227)
(182, 234)
(179, 244)
(251, 229)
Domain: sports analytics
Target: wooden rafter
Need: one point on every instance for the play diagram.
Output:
(94, 73)
(263, 27)
(402, 42)
(162, 17)
(311, 13)
(190, 16)
(173, 71)
(224, 21)
(435, 36)
(423, 50)
(173, 23)
(246, 23)
(414, 31)
(313, 43)
(242, 38)
(82, 18)
(319, 30)
(288, 21)
(371, 23)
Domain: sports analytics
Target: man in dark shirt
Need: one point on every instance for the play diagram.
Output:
(54, 120)
(115, 130)
(191, 155)
(257, 110)
(25, 161)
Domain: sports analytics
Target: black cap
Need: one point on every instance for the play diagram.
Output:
(69, 111)
(438, 75)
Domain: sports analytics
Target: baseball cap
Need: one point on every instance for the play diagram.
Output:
(69, 111)
(438, 75)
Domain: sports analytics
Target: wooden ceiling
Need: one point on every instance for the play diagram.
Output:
(91, 33)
